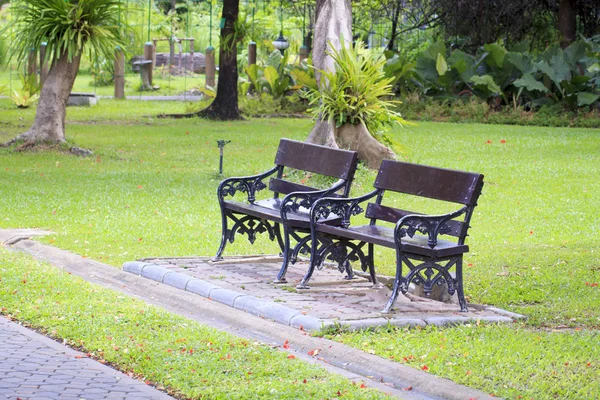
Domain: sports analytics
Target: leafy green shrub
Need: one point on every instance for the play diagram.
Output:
(356, 91)
(102, 71)
(510, 77)
(277, 77)
(28, 94)
(475, 110)
(266, 105)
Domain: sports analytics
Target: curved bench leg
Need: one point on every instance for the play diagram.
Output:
(280, 240)
(397, 283)
(459, 287)
(314, 259)
(371, 261)
(346, 266)
(224, 237)
(285, 251)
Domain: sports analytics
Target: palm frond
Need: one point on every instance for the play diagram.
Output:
(67, 27)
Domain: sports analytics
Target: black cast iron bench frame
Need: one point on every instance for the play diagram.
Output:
(270, 215)
(415, 236)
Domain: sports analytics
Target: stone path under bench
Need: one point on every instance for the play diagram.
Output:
(246, 283)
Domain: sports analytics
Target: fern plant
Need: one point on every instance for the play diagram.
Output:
(28, 94)
(356, 92)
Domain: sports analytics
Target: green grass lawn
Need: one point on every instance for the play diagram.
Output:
(149, 190)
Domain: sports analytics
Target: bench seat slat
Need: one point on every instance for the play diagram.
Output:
(384, 236)
(392, 215)
(269, 209)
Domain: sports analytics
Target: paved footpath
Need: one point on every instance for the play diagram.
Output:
(33, 366)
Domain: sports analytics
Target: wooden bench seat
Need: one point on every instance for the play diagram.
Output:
(288, 206)
(414, 236)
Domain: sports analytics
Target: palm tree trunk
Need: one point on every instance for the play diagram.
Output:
(49, 122)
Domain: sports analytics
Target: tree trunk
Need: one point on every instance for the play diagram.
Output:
(567, 22)
(225, 105)
(333, 22)
(49, 122)
(395, 18)
(358, 138)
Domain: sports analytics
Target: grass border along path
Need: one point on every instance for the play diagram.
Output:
(178, 355)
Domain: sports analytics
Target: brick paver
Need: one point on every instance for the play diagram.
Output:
(33, 366)
(330, 297)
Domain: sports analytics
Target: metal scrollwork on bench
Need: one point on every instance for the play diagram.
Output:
(342, 252)
(294, 201)
(249, 226)
(432, 226)
(249, 185)
(429, 274)
(344, 209)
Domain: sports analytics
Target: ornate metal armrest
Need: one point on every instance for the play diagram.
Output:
(430, 225)
(344, 208)
(248, 184)
(293, 201)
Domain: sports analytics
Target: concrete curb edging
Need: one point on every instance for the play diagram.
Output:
(289, 316)
(253, 305)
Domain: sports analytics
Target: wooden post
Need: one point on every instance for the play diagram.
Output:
(210, 67)
(251, 53)
(119, 77)
(180, 62)
(192, 55)
(303, 53)
(149, 55)
(172, 40)
(155, 42)
(43, 64)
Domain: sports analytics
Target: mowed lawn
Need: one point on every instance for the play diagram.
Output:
(149, 190)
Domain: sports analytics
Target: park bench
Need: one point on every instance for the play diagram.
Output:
(414, 236)
(254, 216)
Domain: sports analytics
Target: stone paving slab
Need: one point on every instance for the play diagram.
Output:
(33, 366)
(246, 283)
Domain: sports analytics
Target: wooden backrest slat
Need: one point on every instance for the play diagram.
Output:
(282, 186)
(322, 160)
(392, 215)
(431, 182)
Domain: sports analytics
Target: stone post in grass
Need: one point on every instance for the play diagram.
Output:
(119, 77)
(210, 67)
(149, 55)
